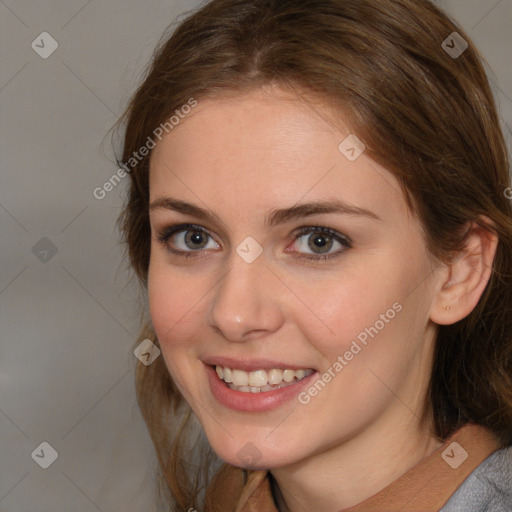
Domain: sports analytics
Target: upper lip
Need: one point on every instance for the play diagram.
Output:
(250, 365)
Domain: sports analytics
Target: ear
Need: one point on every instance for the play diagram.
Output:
(463, 281)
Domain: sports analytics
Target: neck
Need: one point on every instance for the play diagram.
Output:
(354, 470)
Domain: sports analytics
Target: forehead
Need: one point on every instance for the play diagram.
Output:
(268, 148)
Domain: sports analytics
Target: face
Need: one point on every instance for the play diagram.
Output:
(292, 269)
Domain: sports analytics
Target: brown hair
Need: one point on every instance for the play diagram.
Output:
(427, 117)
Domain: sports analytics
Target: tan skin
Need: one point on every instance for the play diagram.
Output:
(242, 157)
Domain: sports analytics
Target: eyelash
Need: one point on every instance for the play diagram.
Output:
(164, 236)
(310, 230)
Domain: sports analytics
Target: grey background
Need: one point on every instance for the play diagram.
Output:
(68, 320)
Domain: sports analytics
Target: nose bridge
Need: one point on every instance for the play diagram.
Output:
(243, 301)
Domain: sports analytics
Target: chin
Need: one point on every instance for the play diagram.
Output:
(256, 455)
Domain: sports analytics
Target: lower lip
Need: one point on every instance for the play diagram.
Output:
(253, 402)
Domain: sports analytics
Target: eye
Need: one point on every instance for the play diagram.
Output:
(312, 242)
(184, 239)
(320, 243)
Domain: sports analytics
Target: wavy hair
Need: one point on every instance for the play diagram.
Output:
(426, 116)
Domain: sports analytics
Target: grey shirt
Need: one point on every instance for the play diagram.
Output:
(488, 488)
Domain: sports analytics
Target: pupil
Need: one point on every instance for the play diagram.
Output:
(320, 242)
(195, 238)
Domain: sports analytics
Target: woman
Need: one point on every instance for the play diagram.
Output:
(317, 212)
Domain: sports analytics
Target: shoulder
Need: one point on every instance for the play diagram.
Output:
(488, 488)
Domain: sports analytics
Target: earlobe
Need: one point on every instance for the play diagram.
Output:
(463, 281)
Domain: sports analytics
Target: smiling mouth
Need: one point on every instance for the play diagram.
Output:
(260, 381)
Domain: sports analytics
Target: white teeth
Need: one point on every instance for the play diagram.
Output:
(288, 375)
(275, 376)
(299, 374)
(260, 380)
(228, 375)
(240, 378)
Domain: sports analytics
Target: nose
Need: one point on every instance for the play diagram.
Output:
(245, 304)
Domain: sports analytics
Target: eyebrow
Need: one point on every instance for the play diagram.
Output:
(274, 217)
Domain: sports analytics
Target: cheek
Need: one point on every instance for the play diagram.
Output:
(174, 307)
(367, 312)
(174, 304)
(341, 309)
